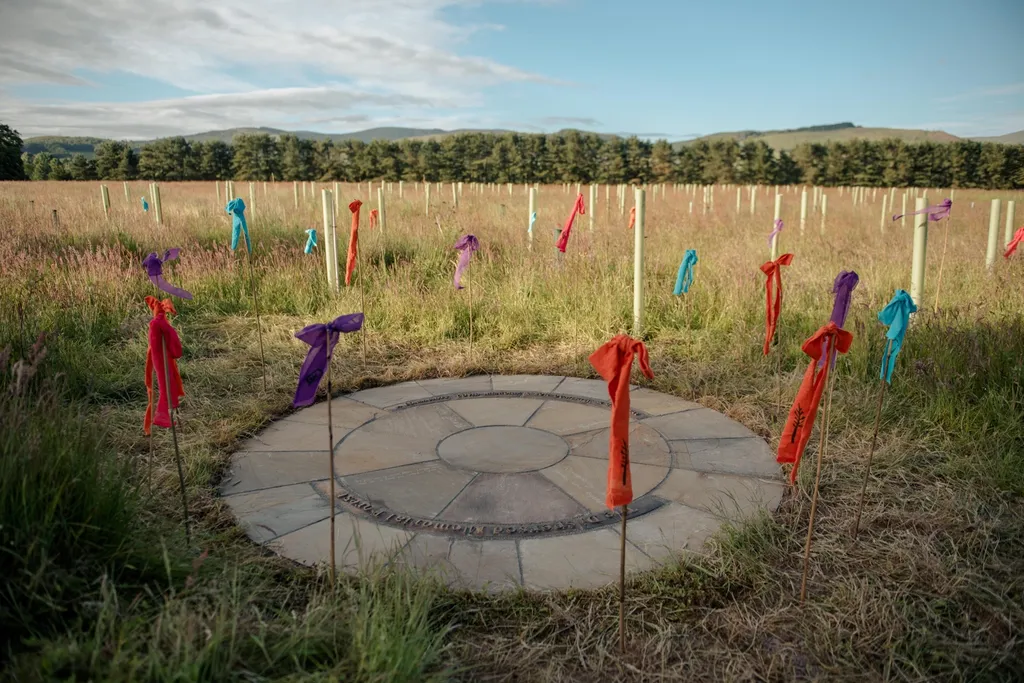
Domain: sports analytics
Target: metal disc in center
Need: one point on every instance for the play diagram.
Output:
(502, 449)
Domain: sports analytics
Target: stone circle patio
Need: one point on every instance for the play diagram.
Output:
(497, 481)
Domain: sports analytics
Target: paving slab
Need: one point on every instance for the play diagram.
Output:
(485, 412)
(700, 423)
(502, 449)
(562, 417)
(494, 491)
(588, 560)
(422, 489)
(543, 384)
(269, 513)
(646, 445)
(749, 456)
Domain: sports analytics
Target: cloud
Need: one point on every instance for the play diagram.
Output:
(980, 93)
(281, 107)
(568, 121)
(395, 57)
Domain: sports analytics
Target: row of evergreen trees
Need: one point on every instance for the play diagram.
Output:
(563, 157)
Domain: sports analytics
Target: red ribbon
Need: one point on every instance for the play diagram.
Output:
(1018, 237)
(162, 336)
(577, 208)
(374, 214)
(353, 241)
(797, 432)
(632, 217)
(773, 296)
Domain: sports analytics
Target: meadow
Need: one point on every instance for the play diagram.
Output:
(101, 585)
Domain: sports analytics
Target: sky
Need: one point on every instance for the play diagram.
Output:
(675, 69)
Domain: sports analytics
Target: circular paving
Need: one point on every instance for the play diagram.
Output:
(497, 481)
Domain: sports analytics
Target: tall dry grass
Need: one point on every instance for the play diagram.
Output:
(933, 590)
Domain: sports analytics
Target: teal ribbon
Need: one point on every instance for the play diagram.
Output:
(145, 204)
(684, 278)
(310, 241)
(236, 207)
(896, 315)
(533, 219)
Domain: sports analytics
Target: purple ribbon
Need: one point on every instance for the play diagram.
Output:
(776, 231)
(155, 267)
(467, 244)
(843, 288)
(935, 213)
(321, 339)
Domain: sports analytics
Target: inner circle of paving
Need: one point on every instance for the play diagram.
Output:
(502, 449)
(497, 482)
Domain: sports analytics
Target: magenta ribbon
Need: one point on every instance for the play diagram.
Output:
(155, 267)
(467, 244)
(776, 231)
(935, 213)
(321, 339)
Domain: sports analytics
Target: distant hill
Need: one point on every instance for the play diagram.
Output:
(778, 139)
(839, 132)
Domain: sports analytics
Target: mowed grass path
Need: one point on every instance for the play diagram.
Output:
(102, 587)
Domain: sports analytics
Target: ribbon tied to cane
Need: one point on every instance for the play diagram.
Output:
(310, 241)
(466, 245)
(321, 338)
(843, 288)
(578, 209)
(935, 212)
(773, 296)
(632, 217)
(778, 228)
(374, 216)
(236, 207)
(896, 315)
(533, 219)
(684, 278)
(145, 204)
(353, 241)
(161, 357)
(614, 361)
(154, 267)
(1018, 237)
(827, 341)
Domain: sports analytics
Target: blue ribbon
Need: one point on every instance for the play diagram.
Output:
(236, 207)
(311, 240)
(896, 315)
(145, 204)
(684, 278)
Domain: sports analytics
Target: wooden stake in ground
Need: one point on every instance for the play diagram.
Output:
(322, 339)
(259, 326)
(177, 452)
(874, 441)
(614, 362)
(466, 245)
(239, 228)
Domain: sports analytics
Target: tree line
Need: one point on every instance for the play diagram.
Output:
(569, 156)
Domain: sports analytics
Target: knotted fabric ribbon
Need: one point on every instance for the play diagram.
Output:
(632, 217)
(577, 209)
(310, 240)
(1018, 237)
(896, 315)
(374, 214)
(533, 219)
(162, 336)
(773, 296)
(778, 228)
(236, 207)
(466, 245)
(145, 204)
(797, 432)
(613, 361)
(155, 267)
(353, 241)
(684, 278)
(321, 339)
(843, 288)
(935, 212)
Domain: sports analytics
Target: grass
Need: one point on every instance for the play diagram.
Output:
(102, 587)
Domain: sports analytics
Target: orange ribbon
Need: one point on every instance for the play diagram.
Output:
(613, 361)
(577, 209)
(773, 305)
(797, 432)
(162, 336)
(632, 217)
(353, 241)
(1018, 237)
(374, 214)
